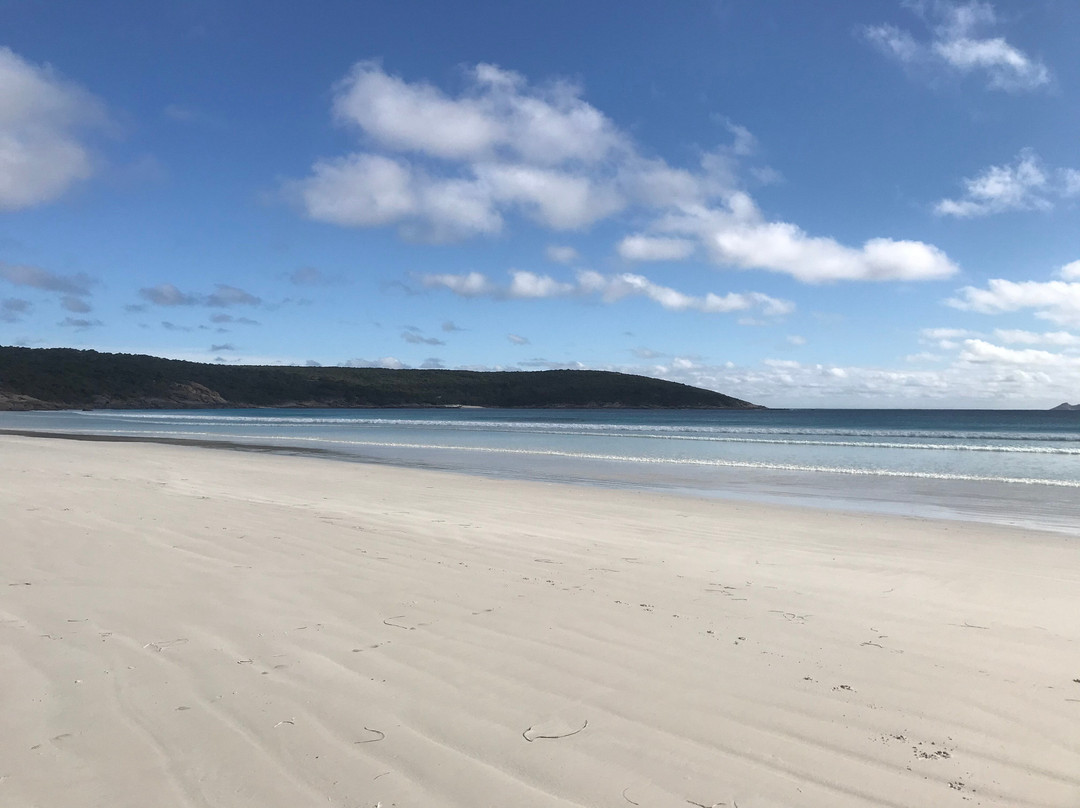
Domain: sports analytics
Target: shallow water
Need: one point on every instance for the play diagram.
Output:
(1017, 467)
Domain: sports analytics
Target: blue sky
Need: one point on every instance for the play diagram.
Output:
(867, 204)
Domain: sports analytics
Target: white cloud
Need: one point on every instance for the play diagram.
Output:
(980, 378)
(472, 284)
(41, 155)
(651, 248)
(923, 356)
(499, 115)
(369, 190)
(615, 287)
(561, 254)
(443, 167)
(741, 237)
(1070, 272)
(944, 333)
(517, 339)
(559, 199)
(1069, 179)
(980, 351)
(1025, 185)
(609, 288)
(894, 42)
(389, 362)
(796, 340)
(956, 45)
(1059, 338)
(530, 285)
(1057, 301)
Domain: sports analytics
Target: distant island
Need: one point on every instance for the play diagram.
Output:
(1066, 406)
(65, 378)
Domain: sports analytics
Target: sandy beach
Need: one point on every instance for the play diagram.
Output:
(196, 627)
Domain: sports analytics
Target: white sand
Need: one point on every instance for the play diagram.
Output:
(193, 627)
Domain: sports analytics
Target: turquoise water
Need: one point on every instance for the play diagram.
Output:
(1004, 466)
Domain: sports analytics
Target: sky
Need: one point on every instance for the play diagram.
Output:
(827, 204)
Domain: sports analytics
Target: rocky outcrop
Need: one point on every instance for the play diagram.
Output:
(14, 402)
(180, 396)
(1066, 406)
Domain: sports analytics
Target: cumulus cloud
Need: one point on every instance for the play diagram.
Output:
(608, 288)
(946, 338)
(980, 351)
(41, 117)
(646, 248)
(1057, 301)
(1070, 272)
(472, 284)
(441, 166)
(166, 294)
(740, 236)
(960, 42)
(1024, 185)
(1062, 339)
(499, 116)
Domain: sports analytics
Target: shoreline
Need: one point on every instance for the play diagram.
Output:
(860, 493)
(272, 630)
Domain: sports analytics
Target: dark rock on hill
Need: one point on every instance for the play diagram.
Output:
(64, 378)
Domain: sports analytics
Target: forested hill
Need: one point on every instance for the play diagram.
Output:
(64, 378)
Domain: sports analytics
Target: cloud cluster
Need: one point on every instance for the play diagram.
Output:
(608, 288)
(447, 168)
(41, 116)
(959, 43)
(166, 294)
(1024, 185)
(71, 290)
(440, 167)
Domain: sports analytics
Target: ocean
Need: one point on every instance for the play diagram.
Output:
(1010, 467)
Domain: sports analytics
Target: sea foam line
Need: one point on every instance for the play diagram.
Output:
(690, 431)
(701, 462)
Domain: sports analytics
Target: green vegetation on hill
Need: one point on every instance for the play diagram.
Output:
(64, 378)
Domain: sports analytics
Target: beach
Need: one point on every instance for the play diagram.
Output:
(186, 626)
